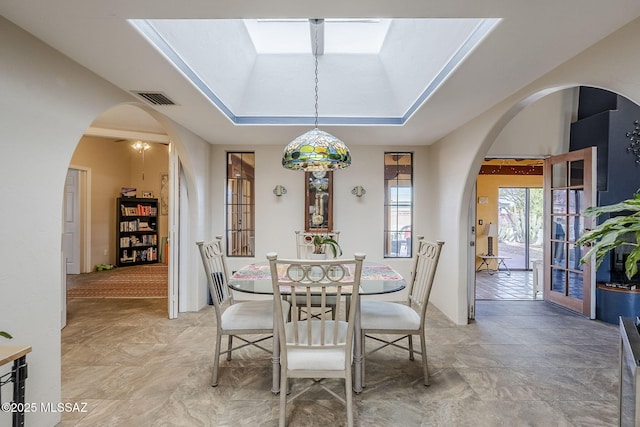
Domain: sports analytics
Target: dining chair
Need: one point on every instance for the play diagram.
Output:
(316, 348)
(304, 250)
(393, 318)
(234, 318)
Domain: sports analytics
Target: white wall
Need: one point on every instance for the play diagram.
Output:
(359, 220)
(47, 102)
(544, 124)
(610, 64)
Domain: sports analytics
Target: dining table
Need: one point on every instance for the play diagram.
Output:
(375, 279)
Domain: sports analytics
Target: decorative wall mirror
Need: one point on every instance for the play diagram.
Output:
(318, 204)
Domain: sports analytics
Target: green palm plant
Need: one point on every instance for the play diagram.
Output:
(320, 241)
(5, 334)
(614, 232)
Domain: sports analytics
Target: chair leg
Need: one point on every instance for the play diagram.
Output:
(284, 387)
(410, 338)
(364, 353)
(230, 347)
(423, 347)
(216, 360)
(349, 398)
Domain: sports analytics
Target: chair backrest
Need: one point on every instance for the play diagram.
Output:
(304, 241)
(215, 267)
(424, 271)
(303, 279)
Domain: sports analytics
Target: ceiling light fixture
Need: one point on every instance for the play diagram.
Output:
(316, 150)
(141, 147)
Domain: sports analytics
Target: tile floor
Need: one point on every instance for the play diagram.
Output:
(517, 285)
(520, 363)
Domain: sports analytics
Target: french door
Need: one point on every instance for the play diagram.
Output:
(569, 188)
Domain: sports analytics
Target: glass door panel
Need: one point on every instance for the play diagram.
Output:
(536, 229)
(520, 236)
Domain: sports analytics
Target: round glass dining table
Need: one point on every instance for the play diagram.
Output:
(375, 279)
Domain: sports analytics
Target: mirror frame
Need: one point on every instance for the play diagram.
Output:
(311, 202)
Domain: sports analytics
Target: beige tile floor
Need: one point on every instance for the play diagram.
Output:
(520, 363)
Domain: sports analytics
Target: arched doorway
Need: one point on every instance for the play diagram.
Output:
(108, 160)
(595, 118)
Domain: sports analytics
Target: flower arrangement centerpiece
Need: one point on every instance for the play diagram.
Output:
(321, 242)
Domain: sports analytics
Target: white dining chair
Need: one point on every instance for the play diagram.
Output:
(316, 348)
(304, 250)
(234, 318)
(392, 318)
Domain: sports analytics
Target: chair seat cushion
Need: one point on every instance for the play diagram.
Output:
(388, 316)
(251, 315)
(316, 357)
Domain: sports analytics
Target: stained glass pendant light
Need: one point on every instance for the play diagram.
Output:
(316, 150)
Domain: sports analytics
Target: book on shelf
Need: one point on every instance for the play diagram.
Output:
(139, 210)
(144, 226)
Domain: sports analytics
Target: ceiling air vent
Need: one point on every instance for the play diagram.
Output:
(155, 98)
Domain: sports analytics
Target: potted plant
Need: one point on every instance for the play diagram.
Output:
(615, 232)
(5, 334)
(320, 242)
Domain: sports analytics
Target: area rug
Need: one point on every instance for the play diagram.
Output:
(143, 281)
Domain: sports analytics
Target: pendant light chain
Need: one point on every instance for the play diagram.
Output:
(316, 150)
(316, 65)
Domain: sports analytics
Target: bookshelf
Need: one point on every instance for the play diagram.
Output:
(136, 231)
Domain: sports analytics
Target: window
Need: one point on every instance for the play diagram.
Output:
(398, 205)
(240, 204)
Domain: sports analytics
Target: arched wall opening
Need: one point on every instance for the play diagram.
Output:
(107, 146)
(530, 149)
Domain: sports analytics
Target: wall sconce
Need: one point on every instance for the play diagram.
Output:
(358, 191)
(279, 190)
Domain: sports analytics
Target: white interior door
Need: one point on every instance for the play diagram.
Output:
(174, 231)
(71, 226)
(471, 257)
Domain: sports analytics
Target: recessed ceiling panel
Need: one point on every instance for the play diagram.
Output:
(371, 71)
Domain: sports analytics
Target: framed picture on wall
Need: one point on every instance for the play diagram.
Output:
(318, 206)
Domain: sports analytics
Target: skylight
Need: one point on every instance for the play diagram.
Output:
(371, 71)
(341, 36)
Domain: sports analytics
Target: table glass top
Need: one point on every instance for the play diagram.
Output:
(375, 279)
